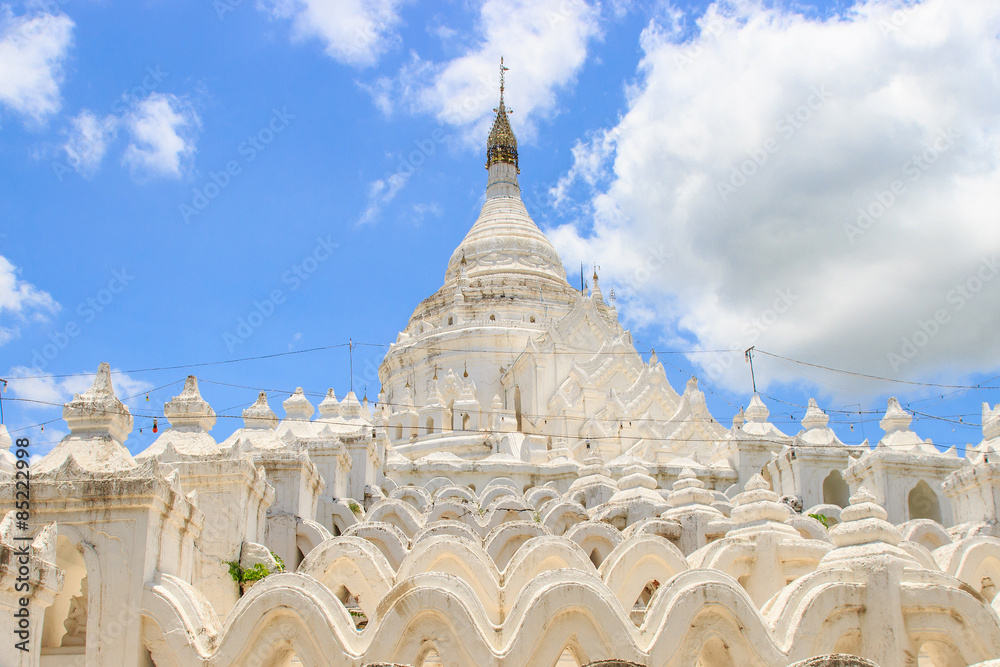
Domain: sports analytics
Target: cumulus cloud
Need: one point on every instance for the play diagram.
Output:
(164, 130)
(20, 302)
(47, 390)
(545, 43)
(87, 141)
(824, 188)
(33, 47)
(355, 32)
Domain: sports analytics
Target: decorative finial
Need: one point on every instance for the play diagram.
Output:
(502, 70)
(502, 144)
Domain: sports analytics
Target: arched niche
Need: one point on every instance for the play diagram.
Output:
(835, 490)
(64, 626)
(923, 503)
(715, 653)
(647, 593)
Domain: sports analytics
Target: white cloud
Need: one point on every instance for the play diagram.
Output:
(49, 390)
(164, 132)
(356, 32)
(423, 209)
(545, 43)
(32, 49)
(589, 165)
(726, 200)
(88, 141)
(381, 192)
(51, 393)
(20, 301)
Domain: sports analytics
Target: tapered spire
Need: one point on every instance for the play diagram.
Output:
(502, 144)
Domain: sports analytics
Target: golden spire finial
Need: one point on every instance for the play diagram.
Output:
(502, 144)
(502, 70)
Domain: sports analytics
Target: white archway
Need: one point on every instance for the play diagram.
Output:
(923, 503)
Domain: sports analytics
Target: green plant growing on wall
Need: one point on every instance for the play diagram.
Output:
(354, 506)
(823, 519)
(255, 573)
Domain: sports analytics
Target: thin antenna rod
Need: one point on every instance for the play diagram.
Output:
(502, 70)
(748, 355)
(350, 347)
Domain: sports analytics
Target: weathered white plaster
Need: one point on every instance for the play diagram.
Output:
(528, 490)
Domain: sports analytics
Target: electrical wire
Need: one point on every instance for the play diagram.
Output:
(531, 418)
(959, 389)
(432, 348)
(876, 377)
(179, 366)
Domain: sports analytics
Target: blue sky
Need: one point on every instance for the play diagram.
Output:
(816, 179)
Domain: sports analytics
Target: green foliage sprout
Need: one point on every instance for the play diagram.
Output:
(823, 519)
(255, 573)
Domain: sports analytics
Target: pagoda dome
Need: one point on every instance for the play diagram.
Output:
(505, 240)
